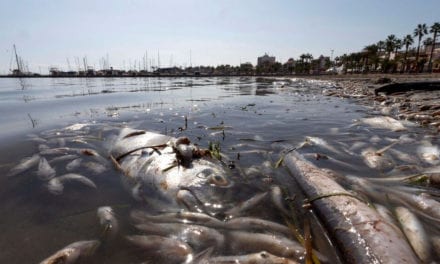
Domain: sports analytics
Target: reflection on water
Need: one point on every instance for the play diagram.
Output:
(253, 121)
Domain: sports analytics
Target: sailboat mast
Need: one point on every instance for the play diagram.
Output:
(16, 58)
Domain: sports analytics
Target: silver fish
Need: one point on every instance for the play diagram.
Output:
(177, 217)
(386, 214)
(246, 205)
(24, 165)
(197, 236)
(414, 231)
(252, 223)
(74, 164)
(321, 143)
(276, 196)
(254, 242)
(377, 160)
(429, 154)
(56, 151)
(148, 162)
(95, 167)
(56, 185)
(169, 250)
(384, 122)
(63, 158)
(71, 253)
(362, 242)
(107, 220)
(76, 127)
(262, 257)
(45, 171)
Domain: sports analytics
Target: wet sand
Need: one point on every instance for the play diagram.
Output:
(422, 107)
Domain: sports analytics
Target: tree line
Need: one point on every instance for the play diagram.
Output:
(377, 57)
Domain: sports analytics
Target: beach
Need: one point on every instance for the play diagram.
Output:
(422, 107)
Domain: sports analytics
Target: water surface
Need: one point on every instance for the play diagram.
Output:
(254, 120)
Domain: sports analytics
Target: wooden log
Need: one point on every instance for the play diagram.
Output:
(408, 86)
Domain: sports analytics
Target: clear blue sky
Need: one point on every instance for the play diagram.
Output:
(47, 32)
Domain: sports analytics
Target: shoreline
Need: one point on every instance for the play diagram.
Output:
(334, 77)
(419, 106)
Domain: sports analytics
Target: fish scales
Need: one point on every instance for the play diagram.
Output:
(360, 232)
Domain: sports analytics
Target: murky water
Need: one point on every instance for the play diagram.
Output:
(254, 121)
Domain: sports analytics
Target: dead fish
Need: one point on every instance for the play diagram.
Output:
(246, 205)
(37, 139)
(262, 257)
(177, 217)
(63, 158)
(351, 219)
(253, 242)
(377, 160)
(71, 253)
(429, 154)
(427, 205)
(74, 164)
(169, 250)
(405, 157)
(75, 127)
(252, 223)
(56, 185)
(319, 156)
(159, 168)
(95, 167)
(357, 145)
(414, 231)
(24, 165)
(56, 151)
(90, 152)
(319, 142)
(107, 220)
(197, 236)
(45, 171)
(386, 214)
(42, 147)
(384, 122)
(277, 197)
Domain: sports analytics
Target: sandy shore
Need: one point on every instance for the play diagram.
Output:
(422, 107)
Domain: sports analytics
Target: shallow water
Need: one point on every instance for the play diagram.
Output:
(251, 118)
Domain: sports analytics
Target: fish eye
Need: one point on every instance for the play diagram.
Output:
(264, 255)
(218, 180)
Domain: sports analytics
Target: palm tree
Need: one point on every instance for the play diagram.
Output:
(397, 45)
(428, 42)
(370, 51)
(419, 32)
(407, 41)
(435, 29)
(380, 47)
(390, 44)
(308, 57)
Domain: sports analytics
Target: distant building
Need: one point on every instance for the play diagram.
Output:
(265, 60)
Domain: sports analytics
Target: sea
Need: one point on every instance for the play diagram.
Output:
(254, 121)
